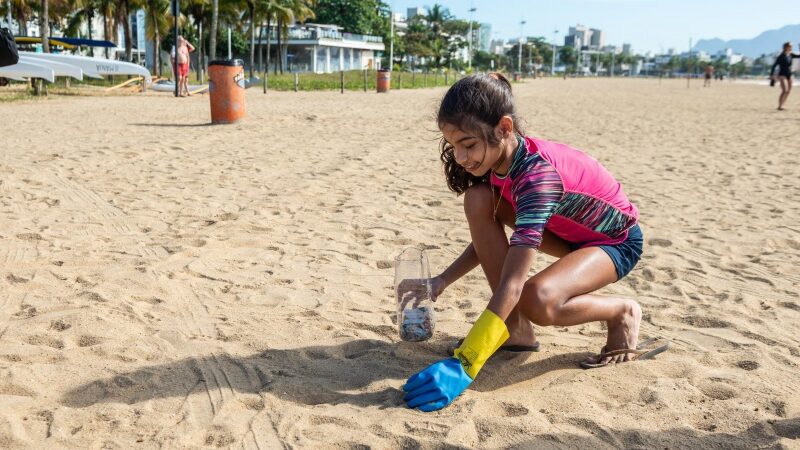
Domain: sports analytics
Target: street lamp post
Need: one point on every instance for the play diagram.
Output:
(553, 65)
(391, 40)
(469, 37)
(519, 60)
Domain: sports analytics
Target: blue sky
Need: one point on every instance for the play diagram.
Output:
(649, 25)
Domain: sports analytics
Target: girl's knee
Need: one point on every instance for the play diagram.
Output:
(540, 302)
(478, 201)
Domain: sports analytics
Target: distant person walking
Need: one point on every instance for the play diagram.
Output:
(784, 64)
(182, 60)
(709, 75)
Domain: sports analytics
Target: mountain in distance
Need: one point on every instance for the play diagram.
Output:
(768, 42)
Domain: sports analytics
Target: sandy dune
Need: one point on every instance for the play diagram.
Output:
(168, 284)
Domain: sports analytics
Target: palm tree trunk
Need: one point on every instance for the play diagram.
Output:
(44, 27)
(91, 19)
(261, 48)
(157, 47)
(212, 41)
(278, 54)
(23, 25)
(252, 11)
(8, 14)
(126, 30)
(105, 30)
(269, 24)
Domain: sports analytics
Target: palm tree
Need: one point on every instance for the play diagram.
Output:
(436, 18)
(44, 27)
(83, 12)
(297, 11)
(157, 24)
(22, 10)
(199, 10)
(212, 41)
(251, 14)
(107, 9)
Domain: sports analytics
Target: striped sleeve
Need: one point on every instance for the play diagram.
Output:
(537, 191)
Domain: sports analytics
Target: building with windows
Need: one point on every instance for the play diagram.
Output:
(578, 37)
(598, 38)
(626, 49)
(326, 48)
(583, 37)
(414, 12)
(485, 35)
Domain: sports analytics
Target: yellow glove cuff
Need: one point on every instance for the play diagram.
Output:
(486, 336)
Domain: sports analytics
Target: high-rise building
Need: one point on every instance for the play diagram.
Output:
(414, 12)
(573, 41)
(597, 38)
(579, 36)
(485, 38)
(626, 49)
(497, 47)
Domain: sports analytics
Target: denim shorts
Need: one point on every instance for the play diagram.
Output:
(627, 253)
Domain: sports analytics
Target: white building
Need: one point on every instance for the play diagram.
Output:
(579, 36)
(729, 56)
(326, 49)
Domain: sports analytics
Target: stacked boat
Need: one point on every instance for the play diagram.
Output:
(48, 66)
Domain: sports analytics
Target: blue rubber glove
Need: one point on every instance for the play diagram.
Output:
(436, 386)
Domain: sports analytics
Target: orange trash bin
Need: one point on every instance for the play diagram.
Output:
(226, 90)
(384, 80)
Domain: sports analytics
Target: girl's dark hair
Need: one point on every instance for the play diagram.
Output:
(474, 104)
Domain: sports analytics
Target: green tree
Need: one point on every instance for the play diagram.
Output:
(355, 16)
(83, 11)
(568, 56)
(156, 25)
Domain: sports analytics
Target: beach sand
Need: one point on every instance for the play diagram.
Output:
(169, 284)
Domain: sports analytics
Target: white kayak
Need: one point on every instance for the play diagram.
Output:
(59, 69)
(94, 67)
(169, 86)
(22, 70)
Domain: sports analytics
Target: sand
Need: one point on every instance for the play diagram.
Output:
(168, 284)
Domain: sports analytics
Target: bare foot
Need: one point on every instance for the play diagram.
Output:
(622, 333)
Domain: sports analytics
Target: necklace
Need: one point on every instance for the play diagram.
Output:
(505, 181)
(497, 205)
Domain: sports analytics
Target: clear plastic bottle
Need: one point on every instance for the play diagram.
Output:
(415, 318)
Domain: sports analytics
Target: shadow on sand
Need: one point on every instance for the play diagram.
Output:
(309, 375)
(329, 374)
(760, 435)
(175, 125)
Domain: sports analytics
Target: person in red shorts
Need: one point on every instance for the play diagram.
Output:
(184, 48)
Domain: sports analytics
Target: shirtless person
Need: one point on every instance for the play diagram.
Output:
(184, 48)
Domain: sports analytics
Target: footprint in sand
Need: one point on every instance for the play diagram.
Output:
(747, 365)
(658, 242)
(705, 322)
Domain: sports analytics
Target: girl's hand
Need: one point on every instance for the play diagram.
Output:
(417, 290)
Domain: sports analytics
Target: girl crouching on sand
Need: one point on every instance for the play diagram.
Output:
(557, 200)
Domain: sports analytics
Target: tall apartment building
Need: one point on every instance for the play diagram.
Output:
(414, 12)
(485, 37)
(598, 38)
(581, 36)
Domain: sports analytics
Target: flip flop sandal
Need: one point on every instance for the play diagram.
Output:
(514, 348)
(638, 353)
